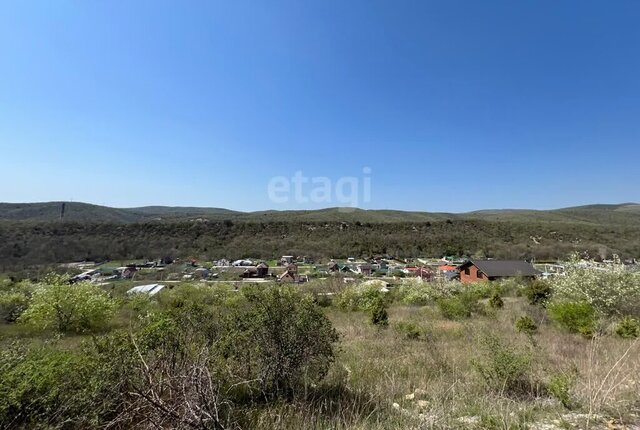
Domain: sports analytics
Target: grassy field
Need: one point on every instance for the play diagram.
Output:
(442, 356)
(391, 382)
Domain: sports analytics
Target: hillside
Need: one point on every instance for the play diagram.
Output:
(627, 214)
(33, 234)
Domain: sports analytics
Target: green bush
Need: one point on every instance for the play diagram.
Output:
(12, 305)
(362, 297)
(538, 292)
(379, 315)
(48, 388)
(577, 317)
(628, 328)
(460, 306)
(453, 308)
(560, 386)
(526, 325)
(423, 293)
(482, 290)
(68, 308)
(502, 367)
(408, 330)
(496, 302)
(280, 338)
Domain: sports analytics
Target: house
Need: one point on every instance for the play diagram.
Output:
(262, 270)
(345, 268)
(447, 268)
(125, 272)
(291, 275)
(287, 277)
(293, 268)
(333, 266)
(422, 273)
(286, 260)
(365, 269)
(490, 270)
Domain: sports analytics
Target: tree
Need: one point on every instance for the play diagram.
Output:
(282, 339)
(68, 308)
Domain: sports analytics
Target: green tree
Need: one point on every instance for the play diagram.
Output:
(68, 308)
(281, 338)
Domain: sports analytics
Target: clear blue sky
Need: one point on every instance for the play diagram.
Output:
(453, 105)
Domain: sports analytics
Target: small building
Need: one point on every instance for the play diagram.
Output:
(491, 270)
(333, 267)
(151, 289)
(293, 268)
(422, 272)
(285, 260)
(346, 268)
(125, 272)
(262, 270)
(250, 272)
(365, 269)
(287, 277)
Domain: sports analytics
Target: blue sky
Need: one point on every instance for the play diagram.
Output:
(453, 105)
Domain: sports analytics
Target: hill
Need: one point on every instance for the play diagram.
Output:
(621, 214)
(33, 234)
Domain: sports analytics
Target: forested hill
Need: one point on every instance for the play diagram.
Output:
(627, 214)
(32, 234)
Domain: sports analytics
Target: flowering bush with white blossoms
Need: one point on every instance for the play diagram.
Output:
(610, 290)
(416, 292)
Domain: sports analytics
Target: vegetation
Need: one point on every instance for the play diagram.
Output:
(496, 301)
(526, 325)
(628, 328)
(68, 308)
(577, 317)
(538, 292)
(34, 235)
(268, 356)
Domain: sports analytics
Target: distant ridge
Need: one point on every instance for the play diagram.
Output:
(600, 214)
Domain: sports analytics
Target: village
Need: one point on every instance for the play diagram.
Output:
(146, 276)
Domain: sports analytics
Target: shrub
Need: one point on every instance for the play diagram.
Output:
(47, 388)
(482, 290)
(459, 307)
(502, 367)
(560, 386)
(496, 302)
(526, 325)
(610, 292)
(280, 338)
(628, 328)
(379, 315)
(12, 305)
(408, 330)
(68, 308)
(538, 292)
(419, 293)
(577, 317)
(362, 297)
(453, 308)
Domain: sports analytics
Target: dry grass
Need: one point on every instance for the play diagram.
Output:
(387, 381)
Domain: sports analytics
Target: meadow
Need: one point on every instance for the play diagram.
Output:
(509, 355)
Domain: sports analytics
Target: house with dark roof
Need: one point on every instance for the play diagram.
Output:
(262, 270)
(365, 269)
(491, 270)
